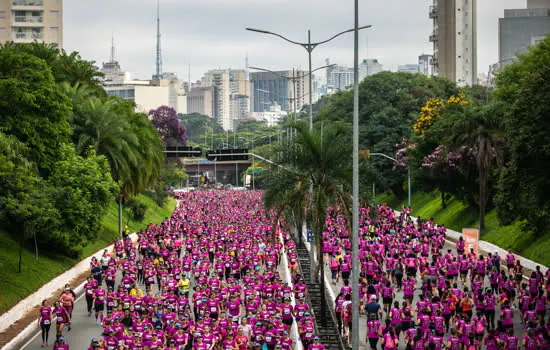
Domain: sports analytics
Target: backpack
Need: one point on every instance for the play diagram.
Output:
(389, 341)
(479, 327)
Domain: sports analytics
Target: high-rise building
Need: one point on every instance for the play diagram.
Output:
(25, 21)
(454, 38)
(342, 78)
(409, 68)
(425, 64)
(521, 28)
(268, 88)
(145, 94)
(201, 100)
(329, 72)
(240, 109)
(231, 96)
(368, 67)
(219, 79)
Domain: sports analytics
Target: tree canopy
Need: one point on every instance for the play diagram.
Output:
(66, 149)
(523, 90)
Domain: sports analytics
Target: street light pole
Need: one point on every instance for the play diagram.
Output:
(295, 96)
(294, 79)
(355, 188)
(309, 47)
(253, 171)
(408, 172)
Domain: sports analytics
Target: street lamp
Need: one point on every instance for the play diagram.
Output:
(492, 69)
(408, 172)
(309, 46)
(294, 79)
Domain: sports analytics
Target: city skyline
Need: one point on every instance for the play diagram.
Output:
(188, 39)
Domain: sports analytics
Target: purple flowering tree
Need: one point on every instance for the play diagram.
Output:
(165, 120)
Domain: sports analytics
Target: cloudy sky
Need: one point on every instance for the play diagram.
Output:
(209, 34)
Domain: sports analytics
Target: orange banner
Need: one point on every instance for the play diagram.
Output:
(471, 238)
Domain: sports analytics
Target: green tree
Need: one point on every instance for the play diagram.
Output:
(316, 174)
(198, 125)
(32, 107)
(524, 89)
(25, 207)
(82, 188)
(66, 67)
(480, 129)
(132, 146)
(389, 104)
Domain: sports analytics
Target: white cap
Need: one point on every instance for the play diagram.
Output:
(373, 297)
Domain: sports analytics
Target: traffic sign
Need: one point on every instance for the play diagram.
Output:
(309, 235)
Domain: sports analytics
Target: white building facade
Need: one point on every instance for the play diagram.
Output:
(466, 42)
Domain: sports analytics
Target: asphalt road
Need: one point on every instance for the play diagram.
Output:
(518, 326)
(84, 328)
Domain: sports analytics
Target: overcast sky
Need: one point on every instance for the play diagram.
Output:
(208, 34)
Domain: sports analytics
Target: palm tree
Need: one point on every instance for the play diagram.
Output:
(317, 174)
(479, 127)
(128, 140)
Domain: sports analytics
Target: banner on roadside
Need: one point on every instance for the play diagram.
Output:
(471, 239)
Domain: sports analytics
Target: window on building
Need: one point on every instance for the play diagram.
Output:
(3, 31)
(3, 14)
(54, 30)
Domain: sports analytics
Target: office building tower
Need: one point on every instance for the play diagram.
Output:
(268, 88)
(219, 79)
(454, 38)
(201, 100)
(521, 28)
(240, 109)
(26, 21)
(409, 68)
(369, 67)
(425, 64)
(329, 72)
(231, 95)
(342, 78)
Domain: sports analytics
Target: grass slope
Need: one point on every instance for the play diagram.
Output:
(15, 286)
(456, 216)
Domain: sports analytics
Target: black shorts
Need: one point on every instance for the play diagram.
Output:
(411, 271)
(373, 342)
(345, 275)
(387, 300)
(99, 307)
(288, 321)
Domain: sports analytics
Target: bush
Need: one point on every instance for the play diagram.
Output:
(137, 209)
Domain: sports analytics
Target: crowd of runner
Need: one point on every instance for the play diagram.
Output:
(451, 298)
(208, 278)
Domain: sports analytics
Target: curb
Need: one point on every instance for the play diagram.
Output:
(45, 292)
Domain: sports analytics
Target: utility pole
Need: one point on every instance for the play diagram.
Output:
(355, 188)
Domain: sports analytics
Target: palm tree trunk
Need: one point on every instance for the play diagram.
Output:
(483, 179)
(20, 252)
(35, 246)
(120, 215)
